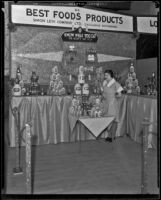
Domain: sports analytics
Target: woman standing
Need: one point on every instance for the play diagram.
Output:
(111, 92)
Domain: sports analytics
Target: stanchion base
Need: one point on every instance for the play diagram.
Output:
(17, 171)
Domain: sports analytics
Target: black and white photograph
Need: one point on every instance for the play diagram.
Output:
(80, 105)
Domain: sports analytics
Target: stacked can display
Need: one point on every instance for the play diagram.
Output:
(131, 84)
(56, 84)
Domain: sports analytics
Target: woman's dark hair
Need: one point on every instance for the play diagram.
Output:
(110, 72)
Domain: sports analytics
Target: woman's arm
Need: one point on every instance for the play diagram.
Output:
(119, 90)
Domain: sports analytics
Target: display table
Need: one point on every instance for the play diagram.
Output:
(96, 126)
(51, 123)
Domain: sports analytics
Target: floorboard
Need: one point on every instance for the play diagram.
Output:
(99, 168)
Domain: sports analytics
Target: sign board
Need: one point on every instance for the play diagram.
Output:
(61, 16)
(147, 25)
(79, 35)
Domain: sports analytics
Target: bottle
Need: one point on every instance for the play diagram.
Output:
(131, 68)
(34, 77)
(155, 91)
(27, 91)
(81, 78)
(18, 74)
(89, 77)
(86, 89)
(42, 91)
(138, 90)
(153, 74)
(78, 89)
(95, 90)
(23, 91)
(148, 90)
(16, 91)
(21, 83)
(153, 79)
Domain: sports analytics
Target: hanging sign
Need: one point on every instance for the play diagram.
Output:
(79, 35)
(60, 16)
(147, 24)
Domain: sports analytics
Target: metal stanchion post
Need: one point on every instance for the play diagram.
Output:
(17, 169)
(144, 181)
(28, 159)
(79, 132)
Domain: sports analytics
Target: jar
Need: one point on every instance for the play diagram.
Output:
(81, 78)
(16, 91)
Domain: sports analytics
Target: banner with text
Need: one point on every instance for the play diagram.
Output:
(60, 16)
(147, 24)
(79, 35)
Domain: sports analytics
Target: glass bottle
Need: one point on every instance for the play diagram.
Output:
(153, 75)
(18, 74)
(16, 91)
(148, 86)
(28, 91)
(42, 91)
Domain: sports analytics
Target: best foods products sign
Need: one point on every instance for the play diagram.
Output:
(59, 16)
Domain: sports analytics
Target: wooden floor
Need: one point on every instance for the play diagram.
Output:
(100, 168)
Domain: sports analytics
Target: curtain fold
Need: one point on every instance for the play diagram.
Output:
(138, 108)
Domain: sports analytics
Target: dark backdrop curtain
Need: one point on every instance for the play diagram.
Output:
(147, 46)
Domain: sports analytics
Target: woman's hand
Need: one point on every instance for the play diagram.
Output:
(118, 94)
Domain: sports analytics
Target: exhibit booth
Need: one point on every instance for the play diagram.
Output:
(57, 56)
(50, 43)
